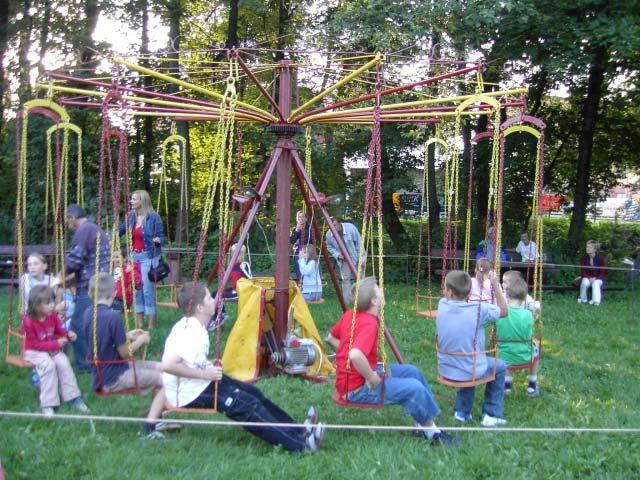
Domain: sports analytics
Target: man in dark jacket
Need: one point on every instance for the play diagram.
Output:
(81, 260)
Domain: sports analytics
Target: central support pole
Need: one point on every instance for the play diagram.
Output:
(283, 208)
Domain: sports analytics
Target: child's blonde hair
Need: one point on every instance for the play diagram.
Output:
(37, 255)
(511, 276)
(517, 289)
(367, 291)
(459, 283)
(39, 295)
(243, 251)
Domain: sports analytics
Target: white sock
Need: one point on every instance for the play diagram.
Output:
(508, 379)
(533, 378)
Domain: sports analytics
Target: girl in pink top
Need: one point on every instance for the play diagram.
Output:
(44, 340)
(480, 284)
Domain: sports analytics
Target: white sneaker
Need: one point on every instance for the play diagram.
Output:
(489, 421)
(168, 427)
(591, 302)
(47, 412)
(582, 301)
(314, 440)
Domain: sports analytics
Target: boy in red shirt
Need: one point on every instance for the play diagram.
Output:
(356, 344)
(128, 279)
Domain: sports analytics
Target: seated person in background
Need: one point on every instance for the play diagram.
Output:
(515, 333)
(115, 373)
(592, 274)
(361, 383)
(514, 275)
(634, 263)
(486, 248)
(241, 269)
(527, 249)
(192, 381)
(310, 281)
(127, 277)
(480, 284)
(460, 328)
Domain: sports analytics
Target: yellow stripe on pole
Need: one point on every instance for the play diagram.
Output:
(417, 103)
(190, 86)
(378, 58)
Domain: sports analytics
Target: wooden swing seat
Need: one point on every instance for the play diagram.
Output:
(428, 313)
(101, 392)
(315, 302)
(527, 365)
(18, 361)
(205, 411)
(343, 401)
(465, 384)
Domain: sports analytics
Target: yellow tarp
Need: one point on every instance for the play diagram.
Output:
(242, 354)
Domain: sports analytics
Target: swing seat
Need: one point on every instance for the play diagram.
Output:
(18, 361)
(343, 401)
(428, 313)
(465, 383)
(207, 411)
(534, 360)
(101, 392)
(315, 302)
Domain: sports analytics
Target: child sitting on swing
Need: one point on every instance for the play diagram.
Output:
(480, 284)
(460, 328)
(514, 333)
(241, 269)
(128, 278)
(45, 339)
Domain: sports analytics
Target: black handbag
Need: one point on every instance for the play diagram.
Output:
(160, 271)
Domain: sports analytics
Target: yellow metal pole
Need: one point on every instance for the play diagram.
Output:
(377, 59)
(190, 86)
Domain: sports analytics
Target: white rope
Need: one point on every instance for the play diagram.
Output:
(228, 423)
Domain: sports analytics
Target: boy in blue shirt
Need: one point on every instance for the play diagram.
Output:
(460, 328)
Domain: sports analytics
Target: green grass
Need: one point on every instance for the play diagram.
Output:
(589, 378)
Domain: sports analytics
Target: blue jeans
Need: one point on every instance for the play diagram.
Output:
(403, 385)
(245, 403)
(493, 393)
(146, 298)
(80, 346)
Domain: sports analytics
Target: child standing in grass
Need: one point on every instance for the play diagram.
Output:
(44, 340)
(310, 280)
(460, 329)
(515, 337)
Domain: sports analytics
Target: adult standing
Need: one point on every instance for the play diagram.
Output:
(300, 237)
(527, 249)
(81, 260)
(351, 238)
(147, 236)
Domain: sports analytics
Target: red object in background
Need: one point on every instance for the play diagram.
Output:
(551, 203)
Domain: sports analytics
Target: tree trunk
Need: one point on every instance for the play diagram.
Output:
(4, 34)
(432, 190)
(174, 9)
(24, 87)
(481, 172)
(44, 36)
(86, 45)
(147, 122)
(232, 30)
(390, 218)
(585, 146)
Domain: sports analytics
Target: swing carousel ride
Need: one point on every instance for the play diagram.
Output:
(249, 87)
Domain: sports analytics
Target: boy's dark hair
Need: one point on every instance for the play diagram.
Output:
(39, 295)
(459, 283)
(517, 289)
(366, 289)
(191, 295)
(76, 211)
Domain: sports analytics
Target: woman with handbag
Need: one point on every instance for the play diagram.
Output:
(147, 236)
